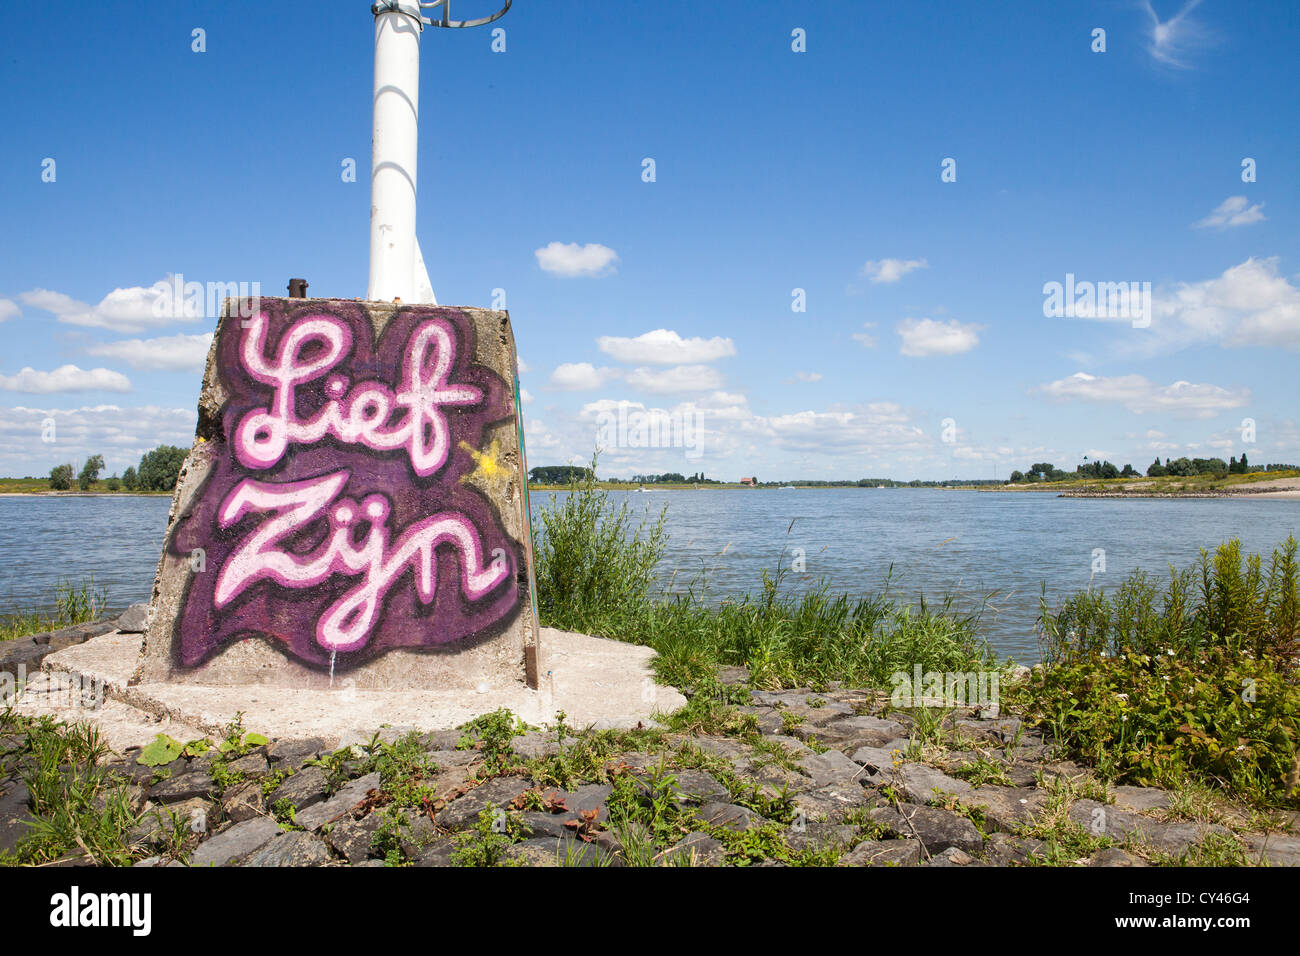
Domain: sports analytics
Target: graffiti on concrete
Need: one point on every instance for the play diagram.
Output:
(353, 506)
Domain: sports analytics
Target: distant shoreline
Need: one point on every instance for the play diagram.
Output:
(1292, 494)
(85, 494)
(618, 486)
(1287, 488)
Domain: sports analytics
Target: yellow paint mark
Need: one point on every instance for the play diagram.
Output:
(486, 461)
(490, 475)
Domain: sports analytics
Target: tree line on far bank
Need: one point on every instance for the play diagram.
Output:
(158, 471)
(557, 474)
(1171, 468)
(564, 474)
(672, 478)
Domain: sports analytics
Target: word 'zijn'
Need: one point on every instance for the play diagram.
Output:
(347, 623)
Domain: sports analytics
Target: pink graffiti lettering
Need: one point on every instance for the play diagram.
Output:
(354, 413)
(347, 623)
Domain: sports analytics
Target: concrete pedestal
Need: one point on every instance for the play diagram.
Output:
(352, 515)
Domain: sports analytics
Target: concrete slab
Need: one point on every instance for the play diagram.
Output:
(596, 682)
(47, 694)
(111, 658)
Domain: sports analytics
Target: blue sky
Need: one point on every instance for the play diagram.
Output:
(924, 350)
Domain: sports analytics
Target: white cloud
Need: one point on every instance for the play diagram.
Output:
(121, 435)
(866, 339)
(65, 378)
(538, 436)
(872, 429)
(682, 378)
(1173, 40)
(56, 302)
(132, 309)
(1141, 395)
(9, 310)
(525, 395)
(802, 376)
(570, 259)
(731, 439)
(603, 405)
(719, 401)
(1250, 304)
(186, 353)
(891, 270)
(1119, 302)
(1284, 440)
(1150, 440)
(520, 364)
(706, 427)
(923, 337)
(665, 347)
(978, 453)
(1233, 211)
(580, 376)
(731, 436)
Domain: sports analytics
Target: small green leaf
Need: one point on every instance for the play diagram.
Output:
(162, 751)
(197, 748)
(256, 740)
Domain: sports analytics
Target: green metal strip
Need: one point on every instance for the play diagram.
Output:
(528, 513)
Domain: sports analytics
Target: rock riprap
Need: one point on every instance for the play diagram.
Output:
(830, 777)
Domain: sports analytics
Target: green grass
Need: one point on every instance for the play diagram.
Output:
(595, 574)
(1225, 600)
(488, 842)
(33, 486)
(82, 809)
(981, 771)
(1195, 680)
(69, 604)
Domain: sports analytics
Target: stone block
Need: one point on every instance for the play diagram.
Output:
(352, 512)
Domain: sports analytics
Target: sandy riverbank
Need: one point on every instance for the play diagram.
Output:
(1281, 488)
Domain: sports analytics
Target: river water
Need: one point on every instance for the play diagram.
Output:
(1005, 546)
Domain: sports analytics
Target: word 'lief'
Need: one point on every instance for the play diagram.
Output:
(356, 416)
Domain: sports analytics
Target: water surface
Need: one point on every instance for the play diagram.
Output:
(970, 545)
(961, 543)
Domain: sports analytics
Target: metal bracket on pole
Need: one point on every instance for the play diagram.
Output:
(446, 20)
(411, 9)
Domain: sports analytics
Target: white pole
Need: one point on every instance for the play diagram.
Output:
(394, 254)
